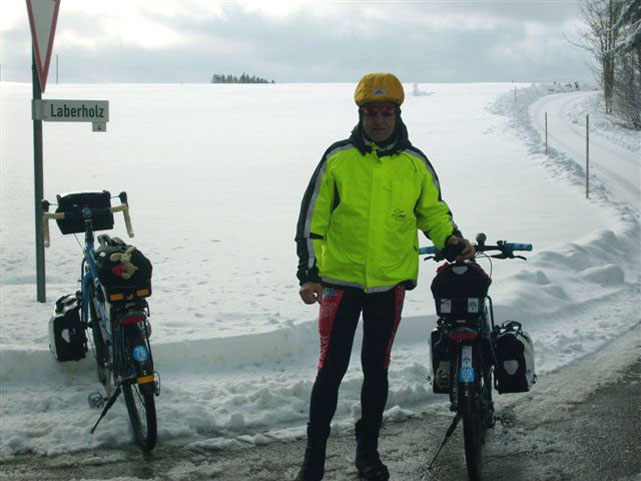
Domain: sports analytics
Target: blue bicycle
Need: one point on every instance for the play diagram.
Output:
(115, 282)
(463, 353)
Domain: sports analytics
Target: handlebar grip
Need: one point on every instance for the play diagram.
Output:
(124, 208)
(430, 250)
(515, 246)
(450, 252)
(45, 231)
(45, 225)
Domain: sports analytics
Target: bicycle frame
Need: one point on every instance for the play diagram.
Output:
(90, 277)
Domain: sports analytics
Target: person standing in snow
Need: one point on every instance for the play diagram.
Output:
(357, 244)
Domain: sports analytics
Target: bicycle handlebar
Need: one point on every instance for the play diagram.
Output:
(46, 216)
(506, 249)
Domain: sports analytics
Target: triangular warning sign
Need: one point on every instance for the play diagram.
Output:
(43, 15)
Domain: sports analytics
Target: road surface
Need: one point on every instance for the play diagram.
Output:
(618, 168)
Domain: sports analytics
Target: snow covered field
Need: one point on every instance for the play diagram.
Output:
(215, 174)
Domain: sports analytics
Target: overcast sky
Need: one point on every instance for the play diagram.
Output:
(289, 41)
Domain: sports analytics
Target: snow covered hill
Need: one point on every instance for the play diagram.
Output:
(215, 174)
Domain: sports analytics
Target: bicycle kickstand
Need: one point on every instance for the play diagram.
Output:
(110, 403)
(449, 433)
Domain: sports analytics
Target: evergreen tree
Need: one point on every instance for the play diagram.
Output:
(244, 78)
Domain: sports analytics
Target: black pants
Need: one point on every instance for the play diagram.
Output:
(339, 313)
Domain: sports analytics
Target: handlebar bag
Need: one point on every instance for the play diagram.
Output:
(460, 290)
(123, 280)
(67, 339)
(72, 205)
(514, 370)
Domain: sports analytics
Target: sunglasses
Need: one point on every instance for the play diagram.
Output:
(386, 110)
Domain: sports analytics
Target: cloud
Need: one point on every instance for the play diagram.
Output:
(163, 41)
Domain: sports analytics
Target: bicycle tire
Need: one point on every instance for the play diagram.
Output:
(100, 351)
(487, 406)
(141, 407)
(139, 398)
(470, 407)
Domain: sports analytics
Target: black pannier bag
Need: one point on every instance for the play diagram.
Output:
(67, 338)
(460, 290)
(123, 271)
(74, 202)
(514, 370)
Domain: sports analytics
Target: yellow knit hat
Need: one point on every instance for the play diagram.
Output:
(379, 87)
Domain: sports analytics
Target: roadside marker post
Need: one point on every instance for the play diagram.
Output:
(587, 156)
(546, 133)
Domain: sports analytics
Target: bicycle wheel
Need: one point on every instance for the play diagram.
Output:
(139, 398)
(487, 406)
(470, 406)
(141, 407)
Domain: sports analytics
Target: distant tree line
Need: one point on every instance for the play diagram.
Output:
(243, 79)
(613, 38)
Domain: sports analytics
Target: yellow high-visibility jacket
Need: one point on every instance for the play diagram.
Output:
(360, 215)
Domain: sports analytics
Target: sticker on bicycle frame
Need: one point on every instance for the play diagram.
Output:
(140, 353)
(466, 373)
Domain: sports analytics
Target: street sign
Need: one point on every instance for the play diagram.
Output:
(43, 15)
(94, 111)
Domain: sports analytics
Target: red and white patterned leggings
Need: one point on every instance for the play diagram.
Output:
(340, 311)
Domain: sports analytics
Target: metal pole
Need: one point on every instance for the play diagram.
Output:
(38, 188)
(546, 133)
(587, 156)
(56, 69)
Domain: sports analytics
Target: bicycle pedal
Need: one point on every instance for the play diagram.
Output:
(96, 400)
(507, 416)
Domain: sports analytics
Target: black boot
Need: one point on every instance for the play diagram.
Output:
(368, 462)
(313, 468)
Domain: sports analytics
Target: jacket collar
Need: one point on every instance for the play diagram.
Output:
(398, 142)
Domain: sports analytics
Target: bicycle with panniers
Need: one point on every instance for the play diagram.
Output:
(470, 353)
(115, 282)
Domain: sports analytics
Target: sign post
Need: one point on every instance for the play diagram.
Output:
(38, 188)
(43, 16)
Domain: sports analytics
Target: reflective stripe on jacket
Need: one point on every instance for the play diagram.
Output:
(361, 211)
